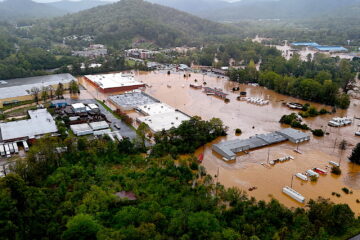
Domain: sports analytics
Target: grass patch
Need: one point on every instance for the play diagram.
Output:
(10, 106)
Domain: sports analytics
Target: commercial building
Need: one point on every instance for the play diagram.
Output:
(93, 51)
(81, 129)
(114, 82)
(131, 100)
(79, 107)
(305, 44)
(331, 49)
(164, 121)
(229, 149)
(140, 53)
(39, 124)
(17, 90)
(155, 108)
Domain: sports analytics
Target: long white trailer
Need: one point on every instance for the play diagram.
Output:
(2, 150)
(301, 176)
(26, 146)
(16, 149)
(294, 194)
(7, 150)
(11, 147)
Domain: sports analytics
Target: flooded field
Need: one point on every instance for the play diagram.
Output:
(247, 170)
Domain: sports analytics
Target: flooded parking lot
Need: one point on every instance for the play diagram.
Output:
(247, 170)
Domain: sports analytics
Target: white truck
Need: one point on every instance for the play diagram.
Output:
(7, 150)
(16, 149)
(26, 146)
(2, 150)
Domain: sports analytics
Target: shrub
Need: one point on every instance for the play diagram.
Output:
(313, 112)
(338, 195)
(345, 190)
(357, 201)
(336, 170)
(305, 107)
(194, 166)
(355, 155)
(313, 178)
(318, 132)
(238, 131)
(323, 111)
(227, 100)
(333, 193)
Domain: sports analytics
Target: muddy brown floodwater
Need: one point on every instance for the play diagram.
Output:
(247, 170)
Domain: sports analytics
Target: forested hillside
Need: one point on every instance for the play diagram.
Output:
(127, 20)
(11, 10)
(98, 189)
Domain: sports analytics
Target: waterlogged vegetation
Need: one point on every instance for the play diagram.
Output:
(79, 194)
(322, 79)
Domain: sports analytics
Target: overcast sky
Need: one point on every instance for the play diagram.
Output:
(102, 0)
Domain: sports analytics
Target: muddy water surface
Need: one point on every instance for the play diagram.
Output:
(247, 170)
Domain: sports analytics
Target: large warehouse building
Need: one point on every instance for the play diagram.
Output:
(39, 124)
(17, 90)
(114, 82)
(229, 149)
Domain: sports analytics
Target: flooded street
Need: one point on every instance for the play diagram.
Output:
(247, 170)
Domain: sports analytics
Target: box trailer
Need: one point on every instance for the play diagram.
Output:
(26, 146)
(294, 194)
(301, 176)
(334, 164)
(312, 173)
(16, 148)
(7, 150)
(11, 147)
(2, 150)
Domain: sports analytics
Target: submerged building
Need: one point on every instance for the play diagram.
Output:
(229, 149)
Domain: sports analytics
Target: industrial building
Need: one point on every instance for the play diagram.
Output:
(131, 100)
(331, 49)
(17, 90)
(96, 128)
(39, 124)
(164, 121)
(305, 44)
(114, 82)
(155, 108)
(229, 149)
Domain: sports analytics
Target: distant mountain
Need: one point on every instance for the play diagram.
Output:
(25, 9)
(282, 9)
(76, 6)
(130, 20)
(193, 6)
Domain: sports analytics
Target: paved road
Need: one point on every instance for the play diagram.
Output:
(125, 130)
(355, 238)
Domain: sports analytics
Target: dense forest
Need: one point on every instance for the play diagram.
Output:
(97, 189)
(120, 23)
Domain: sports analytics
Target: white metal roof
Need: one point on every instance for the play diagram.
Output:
(155, 108)
(78, 105)
(40, 123)
(164, 121)
(18, 87)
(99, 125)
(113, 80)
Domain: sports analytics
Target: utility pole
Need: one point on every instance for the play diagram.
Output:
(292, 179)
(268, 156)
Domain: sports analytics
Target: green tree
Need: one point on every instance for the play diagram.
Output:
(355, 155)
(81, 227)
